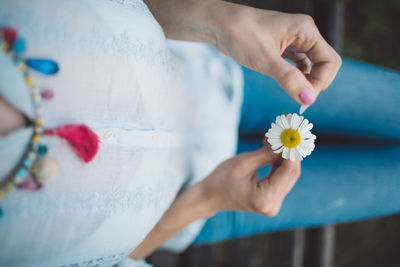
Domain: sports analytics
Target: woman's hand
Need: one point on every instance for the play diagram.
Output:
(258, 39)
(233, 185)
(261, 39)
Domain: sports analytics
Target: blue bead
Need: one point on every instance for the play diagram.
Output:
(1, 212)
(27, 162)
(21, 175)
(45, 66)
(42, 149)
(18, 61)
(19, 46)
(35, 147)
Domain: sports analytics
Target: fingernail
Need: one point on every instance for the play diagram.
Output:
(307, 96)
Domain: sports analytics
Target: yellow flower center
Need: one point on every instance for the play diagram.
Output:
(290, 138)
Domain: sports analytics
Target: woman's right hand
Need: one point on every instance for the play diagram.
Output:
(258, 39)
(261, 39)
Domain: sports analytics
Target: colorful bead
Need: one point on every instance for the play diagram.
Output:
(22, 67)
(2, 194)
(9, 34)
(45, 169)
(19, 46)
(32, 155)
(42, 150)
(47, 94)
(38, 111)
(5, 46)
(21, 174)
(30, 184)
(28, 162)
(37, 138)
(29, 80)
(9, 187)
(39, 122)
(39, 130)
(36, 97)
(35, 147)
(37, 102)
(45, 66)
(20, 64)
(20, 179)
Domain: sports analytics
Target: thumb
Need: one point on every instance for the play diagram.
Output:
(293, 81)
(259, 158)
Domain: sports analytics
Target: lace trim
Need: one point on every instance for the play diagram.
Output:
(99, 262)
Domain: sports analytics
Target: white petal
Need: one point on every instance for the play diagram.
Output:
(307, 146)
(292, 154)
(279, 150)
(302, 152)
(276, 146)
(298, 155)
(276, 127)
(303, 124)
(308, 135)
(308, 127)
(294, 122)
(285, 153)
(273, 141)
(279, 122)
(285, 122)
(272, 135)
(303, 108)
(289, 118)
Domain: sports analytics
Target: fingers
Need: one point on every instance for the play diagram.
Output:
(326, 64)
(252, 161)
(303, 63)
(292, 80)
(308, 45)
(274, 189)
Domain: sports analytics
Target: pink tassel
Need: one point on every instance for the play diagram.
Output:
(83, 141)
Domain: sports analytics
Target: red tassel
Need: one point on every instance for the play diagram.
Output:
(83, 141)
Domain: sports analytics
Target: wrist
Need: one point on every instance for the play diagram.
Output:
(186, 20)
(196, 202)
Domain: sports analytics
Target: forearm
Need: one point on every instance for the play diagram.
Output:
(188, 20)
(194, 203)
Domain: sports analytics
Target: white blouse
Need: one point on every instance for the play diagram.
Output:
(165, 120)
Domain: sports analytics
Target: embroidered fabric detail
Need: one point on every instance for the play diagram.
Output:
(111, 260)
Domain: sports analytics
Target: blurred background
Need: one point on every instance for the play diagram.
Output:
(366, 30)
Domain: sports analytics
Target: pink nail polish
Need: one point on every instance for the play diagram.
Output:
(307, 96)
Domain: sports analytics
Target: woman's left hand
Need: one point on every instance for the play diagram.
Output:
(234, 184)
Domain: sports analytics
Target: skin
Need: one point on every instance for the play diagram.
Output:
(260, 40)
(10, 118)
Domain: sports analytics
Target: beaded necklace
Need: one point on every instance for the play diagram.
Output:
(35, 168)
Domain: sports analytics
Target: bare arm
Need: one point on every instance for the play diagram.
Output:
(232, 185)
(258, 39)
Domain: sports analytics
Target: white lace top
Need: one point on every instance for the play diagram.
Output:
(164, 121)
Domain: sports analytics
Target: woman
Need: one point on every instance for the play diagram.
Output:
(164, 121)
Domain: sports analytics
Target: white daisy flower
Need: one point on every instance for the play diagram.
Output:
(290, 134)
